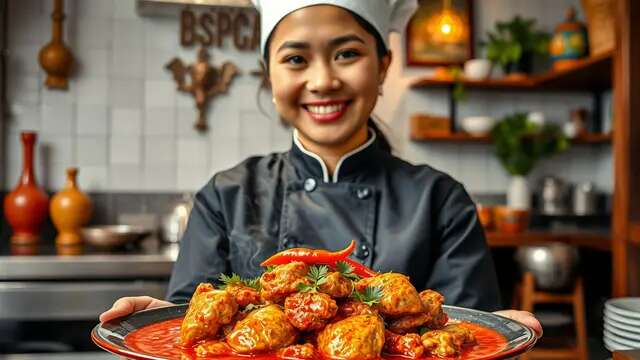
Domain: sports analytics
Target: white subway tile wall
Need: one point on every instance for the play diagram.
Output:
(124, 123)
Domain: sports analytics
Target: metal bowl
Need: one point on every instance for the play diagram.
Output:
(114, 236)
(553, 266)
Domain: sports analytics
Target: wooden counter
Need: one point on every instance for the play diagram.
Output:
(594, 240)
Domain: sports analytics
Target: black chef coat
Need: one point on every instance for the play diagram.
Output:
(405, 218)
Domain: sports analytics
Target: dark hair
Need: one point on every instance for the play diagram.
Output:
(381, 51)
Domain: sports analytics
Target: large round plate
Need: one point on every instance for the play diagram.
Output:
(110, 335)
(620, 318)
(622, 326)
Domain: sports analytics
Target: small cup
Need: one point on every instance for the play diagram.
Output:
(485, 215)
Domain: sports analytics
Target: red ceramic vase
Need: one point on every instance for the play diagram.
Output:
(26, 207)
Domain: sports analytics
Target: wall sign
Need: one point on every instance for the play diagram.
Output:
(211, 28)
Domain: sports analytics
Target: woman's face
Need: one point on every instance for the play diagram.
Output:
(325, 75)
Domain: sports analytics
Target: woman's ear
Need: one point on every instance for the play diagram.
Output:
(384, 66)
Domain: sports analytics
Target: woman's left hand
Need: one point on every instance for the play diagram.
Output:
(524, 317)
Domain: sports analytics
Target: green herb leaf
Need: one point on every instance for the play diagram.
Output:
(370, 296)
(346, 270)
(253, 283)
(234, 279)
(317, 275)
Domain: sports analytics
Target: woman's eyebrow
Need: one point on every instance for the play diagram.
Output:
(335, 42)
(293, 45)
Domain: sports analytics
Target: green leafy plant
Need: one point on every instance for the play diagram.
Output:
(521, 143)
(346, 270)
(512, 40)
(371, 295)
(235, 279)
(317, 275)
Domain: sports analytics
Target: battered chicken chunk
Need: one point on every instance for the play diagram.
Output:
(409, 345)
(244, 295)
(358, 337)
(263, 330)
(309, 310)
(337, 286)
(306, 351)
(212, 348)
(448, 341)
(433, 316)
(283, 280)
(432, 302)
(399, 298)
(354, 307)
(208, 310)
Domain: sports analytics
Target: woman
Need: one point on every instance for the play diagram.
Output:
(326, 62)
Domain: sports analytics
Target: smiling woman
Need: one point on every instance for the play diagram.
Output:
(326, 61)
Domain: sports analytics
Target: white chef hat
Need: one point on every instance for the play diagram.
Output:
(384, 15)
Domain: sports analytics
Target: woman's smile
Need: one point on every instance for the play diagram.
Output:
(326, 111)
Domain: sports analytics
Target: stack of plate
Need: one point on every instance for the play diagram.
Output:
(622, 324)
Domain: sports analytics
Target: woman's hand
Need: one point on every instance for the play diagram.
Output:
(524, 317)
(127, 305)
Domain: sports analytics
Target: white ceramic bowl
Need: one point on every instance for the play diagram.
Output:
(477, 125)
(477, 69)
(628, 307)
(622, 326)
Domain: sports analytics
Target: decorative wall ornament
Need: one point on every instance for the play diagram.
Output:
(212, 27)
(55, 58)
(206, 82)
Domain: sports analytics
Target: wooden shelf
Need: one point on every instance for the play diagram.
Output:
(590, 74)
(599, 241)
(462, 137)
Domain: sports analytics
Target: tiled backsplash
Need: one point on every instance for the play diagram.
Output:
(124, 124)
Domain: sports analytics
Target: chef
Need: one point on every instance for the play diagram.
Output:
(326, 62)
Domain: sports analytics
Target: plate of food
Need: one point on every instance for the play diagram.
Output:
(314, 304)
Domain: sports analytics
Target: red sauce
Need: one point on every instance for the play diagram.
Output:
(161, 340)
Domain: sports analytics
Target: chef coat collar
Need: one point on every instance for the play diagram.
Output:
(352, 162)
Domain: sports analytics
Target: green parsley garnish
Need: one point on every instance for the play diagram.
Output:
(317, 275)
(370, 296)
(346, 270)
(235, 279)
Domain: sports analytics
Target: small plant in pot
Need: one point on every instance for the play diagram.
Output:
(514, 43)
(519, 144)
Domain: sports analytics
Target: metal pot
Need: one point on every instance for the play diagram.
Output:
(114, 236)
(553, 266)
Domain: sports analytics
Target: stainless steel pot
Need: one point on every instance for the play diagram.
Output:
(553, 265)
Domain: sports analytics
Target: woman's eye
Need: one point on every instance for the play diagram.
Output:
(347, 54)
(295, 60)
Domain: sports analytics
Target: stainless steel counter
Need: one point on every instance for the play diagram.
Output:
(47, 286)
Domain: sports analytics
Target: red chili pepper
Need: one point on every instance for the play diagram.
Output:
(359, 269)
(310, 256)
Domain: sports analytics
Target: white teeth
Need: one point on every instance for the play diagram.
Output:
(325, 109)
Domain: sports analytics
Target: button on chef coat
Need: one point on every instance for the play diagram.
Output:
(405, 218)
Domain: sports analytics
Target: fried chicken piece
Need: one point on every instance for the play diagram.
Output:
(358, 337)
(283, 281)
(263, 330)
(208, 310)
(306, 351)
(309, 310)
(408, 323)
(433, 316)
(244, 295)
(448, 341)
(432, 302)
(212, 348)
(337, 286)
(399, 298)
(409, 345)
(354, 307)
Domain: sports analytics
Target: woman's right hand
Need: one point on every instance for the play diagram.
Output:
(127, 305)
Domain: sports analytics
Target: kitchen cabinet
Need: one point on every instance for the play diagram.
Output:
(626, 149)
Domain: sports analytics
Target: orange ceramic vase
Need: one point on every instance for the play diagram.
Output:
(70, 210)
(26, 206)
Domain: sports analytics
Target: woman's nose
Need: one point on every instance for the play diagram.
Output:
(322, 80)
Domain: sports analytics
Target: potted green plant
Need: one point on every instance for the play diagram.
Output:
(514, 43)
(519, 145)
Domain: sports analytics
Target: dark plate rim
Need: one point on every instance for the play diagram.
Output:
(107, 345)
